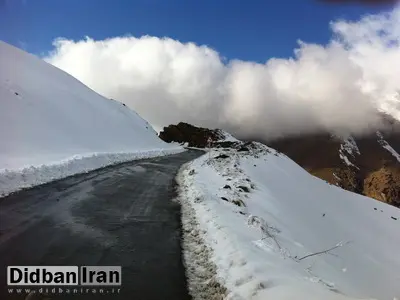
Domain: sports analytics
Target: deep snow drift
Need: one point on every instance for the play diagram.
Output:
(52, 126)
(260, 216)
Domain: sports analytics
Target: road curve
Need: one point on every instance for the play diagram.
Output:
(120, 215)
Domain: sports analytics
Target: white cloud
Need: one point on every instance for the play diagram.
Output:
(338, 87)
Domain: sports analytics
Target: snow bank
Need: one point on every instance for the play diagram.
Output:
(262, 216)
(52, 126)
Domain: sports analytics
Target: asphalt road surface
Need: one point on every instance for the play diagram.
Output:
(117, 216)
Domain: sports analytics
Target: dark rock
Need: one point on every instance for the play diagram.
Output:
(244, 188)
(222, 156)
(227, 186)
(225, 199)
(225, 144)
(239, 203)
(243, 149)
(194, 136)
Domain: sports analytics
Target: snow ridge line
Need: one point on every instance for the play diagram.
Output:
(386, 146)
(15, 180)
(201, 272)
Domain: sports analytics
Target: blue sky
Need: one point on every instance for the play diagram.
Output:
(247, 30)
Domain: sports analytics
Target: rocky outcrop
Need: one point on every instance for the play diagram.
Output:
(368, 165)
(384, 185)
(186, 133)
(196, 136)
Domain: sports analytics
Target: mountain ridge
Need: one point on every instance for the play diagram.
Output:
(367, 165)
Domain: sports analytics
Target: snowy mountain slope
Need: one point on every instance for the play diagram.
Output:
(369, 164)
(260, 215)
(387, 146)
(52, 126)
(348, 147)
(225, 136)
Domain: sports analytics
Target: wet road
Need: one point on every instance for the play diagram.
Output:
(121, 216)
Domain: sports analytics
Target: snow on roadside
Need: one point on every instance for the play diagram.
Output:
(260, 214)
(53, 126)
(14, 180)
(386, 145)
(200, 271)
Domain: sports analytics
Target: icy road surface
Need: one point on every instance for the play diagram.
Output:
(121, 215)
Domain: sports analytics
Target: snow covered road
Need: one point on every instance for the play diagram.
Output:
(120, 215)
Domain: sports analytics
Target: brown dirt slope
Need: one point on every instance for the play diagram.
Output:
(376, 172)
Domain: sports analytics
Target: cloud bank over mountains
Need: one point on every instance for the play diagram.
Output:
(339, 87)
